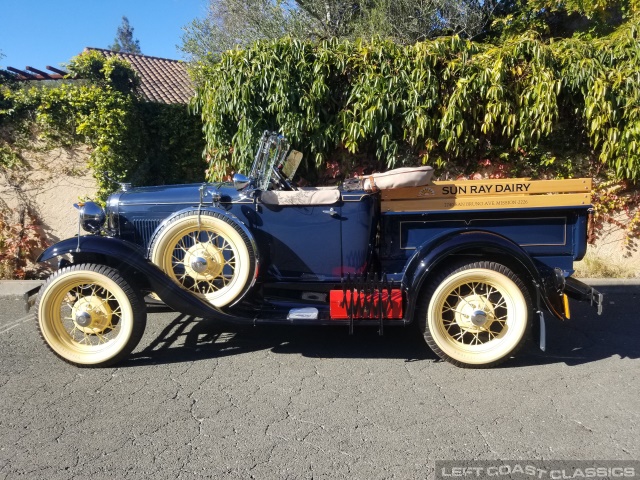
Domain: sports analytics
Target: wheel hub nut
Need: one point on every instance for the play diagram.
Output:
(83, 319)
(92, 314)
(479, 318)
(199, 264)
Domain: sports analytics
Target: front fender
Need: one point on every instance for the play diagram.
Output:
(430, 255)
(131, 257)
(109, 246)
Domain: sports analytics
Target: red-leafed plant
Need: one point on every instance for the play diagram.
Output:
(20, 243)
(615, 203)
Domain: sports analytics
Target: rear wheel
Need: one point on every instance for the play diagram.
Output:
(89, 315)
(475, 314)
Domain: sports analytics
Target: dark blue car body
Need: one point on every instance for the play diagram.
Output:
(303, 248)
(350, 256)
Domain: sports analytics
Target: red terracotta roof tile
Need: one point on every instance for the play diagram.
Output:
(161, 80)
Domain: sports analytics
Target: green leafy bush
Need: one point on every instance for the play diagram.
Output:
(539, 107)
(109, 72)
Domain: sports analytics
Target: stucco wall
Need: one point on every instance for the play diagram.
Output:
(611, 256)
(50, 183)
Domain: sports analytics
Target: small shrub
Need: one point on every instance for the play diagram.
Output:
(20, 243)
(596, 266)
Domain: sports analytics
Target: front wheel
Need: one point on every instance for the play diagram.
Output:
(476, 314)
(89, 315)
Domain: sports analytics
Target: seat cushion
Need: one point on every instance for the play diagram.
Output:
(314, 196)
(398, 178)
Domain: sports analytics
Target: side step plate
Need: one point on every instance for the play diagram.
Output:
(306, 313)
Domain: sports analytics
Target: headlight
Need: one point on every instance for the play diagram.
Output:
(92, 216)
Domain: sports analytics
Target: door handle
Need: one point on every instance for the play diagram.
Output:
(333, 212)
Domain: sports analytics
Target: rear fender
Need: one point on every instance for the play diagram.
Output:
(431, 255)
(129, 257)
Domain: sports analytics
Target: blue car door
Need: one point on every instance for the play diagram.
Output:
(300, 235)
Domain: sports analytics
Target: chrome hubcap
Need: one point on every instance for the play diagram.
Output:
(474, 313)
(83, 319)
(92, 314)
(199, 264)
(204, 262)
(479, 318)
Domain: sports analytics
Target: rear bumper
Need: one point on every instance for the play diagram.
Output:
(581, 291)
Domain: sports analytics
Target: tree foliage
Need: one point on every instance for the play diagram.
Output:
(124, 41)
(403, 21)
(232, 23)
(562, 19)
(451, 102)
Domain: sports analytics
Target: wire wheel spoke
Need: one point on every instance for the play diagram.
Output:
(205, 253)
(477, 298)
(177, 259)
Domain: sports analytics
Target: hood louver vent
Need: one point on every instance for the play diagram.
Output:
(144, 230)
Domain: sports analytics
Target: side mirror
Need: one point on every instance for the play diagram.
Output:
(240, 181)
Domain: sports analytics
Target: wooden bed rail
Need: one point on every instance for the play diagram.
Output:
(489, 194)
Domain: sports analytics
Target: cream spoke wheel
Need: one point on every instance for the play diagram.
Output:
(89, 315)
(476, 314)
(207, 255)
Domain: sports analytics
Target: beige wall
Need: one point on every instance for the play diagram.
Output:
(611, 256)
(49, 183)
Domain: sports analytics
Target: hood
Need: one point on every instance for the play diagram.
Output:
(173, 194)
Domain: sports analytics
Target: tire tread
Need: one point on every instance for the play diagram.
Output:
(138, 308)
(457, 267)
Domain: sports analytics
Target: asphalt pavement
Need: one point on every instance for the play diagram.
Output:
(197, 399)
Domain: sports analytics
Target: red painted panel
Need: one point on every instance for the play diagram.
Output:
(390, 309)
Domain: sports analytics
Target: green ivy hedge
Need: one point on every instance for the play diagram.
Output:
(541, 107)
(130, 139)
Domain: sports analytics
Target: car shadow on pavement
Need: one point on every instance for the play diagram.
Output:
(188, 339)
(586, 338)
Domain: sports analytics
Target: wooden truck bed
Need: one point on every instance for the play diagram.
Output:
(488, 194)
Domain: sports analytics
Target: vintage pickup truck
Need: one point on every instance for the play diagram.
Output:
(475, 264)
